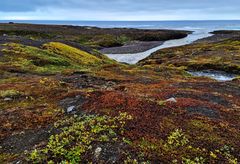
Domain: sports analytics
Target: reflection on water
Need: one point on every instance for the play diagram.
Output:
(217, 75)
(134, 58)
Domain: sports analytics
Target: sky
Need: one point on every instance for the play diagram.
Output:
(120, 10)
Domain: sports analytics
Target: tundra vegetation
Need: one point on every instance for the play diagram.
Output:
(61, 101)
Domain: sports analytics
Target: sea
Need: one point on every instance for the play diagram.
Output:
(182, 25)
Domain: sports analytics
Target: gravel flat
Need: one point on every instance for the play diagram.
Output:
(133, 47)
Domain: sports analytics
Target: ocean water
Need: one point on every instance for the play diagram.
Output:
(183, 25)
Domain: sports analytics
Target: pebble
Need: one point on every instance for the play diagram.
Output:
(171, 100)
(98, 152)
(70, 109)
(8, 99)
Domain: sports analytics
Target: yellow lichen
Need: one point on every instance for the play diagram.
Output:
(72, 53)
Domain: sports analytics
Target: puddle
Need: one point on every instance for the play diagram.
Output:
(217, 75)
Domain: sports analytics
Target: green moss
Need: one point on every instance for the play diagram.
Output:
(83, 39)
(200, 125)
(176, 139)
(107, 40)
(178, 148)
(103, 40)
(222, 56)
(28, 34)
(20, 58)
(77, 136)
(205, 132)
(54, 58)
(123, 39)
(196, 160)
(10, 93)
(72, 53)
(9, 80)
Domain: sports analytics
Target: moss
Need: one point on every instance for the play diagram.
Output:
(236, 78)
(77, 137)
(205, 132)
(74, 54)
(10, 93)
(222, 56)
(196, 160)
(28, 33)
(200, 125)
(9, 80)
(123, 39)
(179, 149)
(107, 40)
(54, 58)
(34, 106)
(31, 59)
(176, 139)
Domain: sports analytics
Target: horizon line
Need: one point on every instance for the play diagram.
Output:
(120, 20)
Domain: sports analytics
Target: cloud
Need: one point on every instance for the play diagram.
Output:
(119, 9)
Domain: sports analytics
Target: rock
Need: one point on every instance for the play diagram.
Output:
(7, 99)
(4, 35)
(70, 109)
(97, 152)
(171, 100)
(75, 116)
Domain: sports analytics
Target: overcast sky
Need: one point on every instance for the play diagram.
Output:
(119, 9)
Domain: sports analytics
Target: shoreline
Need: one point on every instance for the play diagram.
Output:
(137, 47)
(202, 54)
(219, 35)
(122, 54)
(134, 58)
